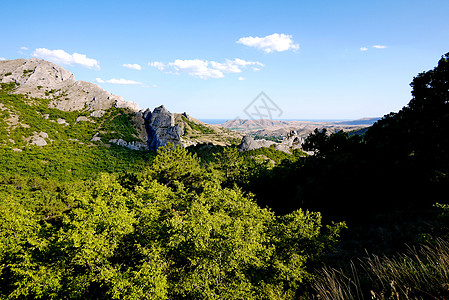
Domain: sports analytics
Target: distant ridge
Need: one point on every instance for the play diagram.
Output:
(267, 127)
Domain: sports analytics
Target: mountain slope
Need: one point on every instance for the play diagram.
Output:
(43, 85)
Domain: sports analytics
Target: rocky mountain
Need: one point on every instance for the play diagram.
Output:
(140, 129)
(42, 79)
(282, 128)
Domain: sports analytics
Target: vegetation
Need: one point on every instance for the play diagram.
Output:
(89, 220)
(169, 232)
(197, 127)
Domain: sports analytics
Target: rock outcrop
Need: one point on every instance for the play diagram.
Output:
(291, 142)
(38, 139)
(160, 127)
(134, 145)
(38, 78)
(42, 79)
(248, 143)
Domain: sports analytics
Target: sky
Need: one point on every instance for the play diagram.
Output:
(212, 59)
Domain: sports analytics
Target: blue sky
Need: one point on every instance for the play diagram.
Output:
(314, 59)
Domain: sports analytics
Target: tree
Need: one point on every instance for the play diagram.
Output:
(174, 163)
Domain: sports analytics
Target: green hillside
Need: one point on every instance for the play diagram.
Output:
(81, 218)
(68, 154)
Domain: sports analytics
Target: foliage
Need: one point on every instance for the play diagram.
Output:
(197, 126)
(149, 240)
(80, 220)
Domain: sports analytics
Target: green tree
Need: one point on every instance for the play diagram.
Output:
(174, 163)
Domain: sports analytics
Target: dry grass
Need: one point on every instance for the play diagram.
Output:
(422, 273)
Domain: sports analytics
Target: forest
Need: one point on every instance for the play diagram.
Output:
(365, 217)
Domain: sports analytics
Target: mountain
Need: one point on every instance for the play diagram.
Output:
(265, 127)
(42, 79)
(45, 94)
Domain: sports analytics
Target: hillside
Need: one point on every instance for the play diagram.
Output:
(47, 93)
(87, 212)
(303, 128)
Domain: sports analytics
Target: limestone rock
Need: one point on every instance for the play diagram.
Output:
(291, 142)
(161, 128)
(83, 119)
(120, 103)
(42, 79)
(97, 113)
(130, 145)
(38, 139)
(96, 138)
(248, 143)
(62, 122)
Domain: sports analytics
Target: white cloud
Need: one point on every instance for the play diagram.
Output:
(234, 66)
(271, 43)
(118, 81)
(2, 58)
(23, 48)
(204, 69)
(242, 78)
(64, 58)
(132, 66)
(160, 66)
(122, 81)
(379, 46)
(363, 49)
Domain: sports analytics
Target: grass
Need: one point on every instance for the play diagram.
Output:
(421, 273)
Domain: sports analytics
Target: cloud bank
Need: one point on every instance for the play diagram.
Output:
(205, 69)
(271, 43)
(64, 58)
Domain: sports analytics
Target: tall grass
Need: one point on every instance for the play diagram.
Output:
(421, 273)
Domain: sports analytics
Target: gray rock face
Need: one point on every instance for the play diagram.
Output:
(42, 79)
(291, 142)
(248, 143)
(161, 128)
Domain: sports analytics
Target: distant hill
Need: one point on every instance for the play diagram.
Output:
(266, 127)
(363, 121)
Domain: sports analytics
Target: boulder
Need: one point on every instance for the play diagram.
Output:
(248, 143)
(38, 139)
(291, 142)
(96, 138)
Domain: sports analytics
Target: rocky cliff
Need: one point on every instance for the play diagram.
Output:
(161, 128)
(42, 79)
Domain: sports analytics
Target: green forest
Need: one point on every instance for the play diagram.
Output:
(365, 217)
